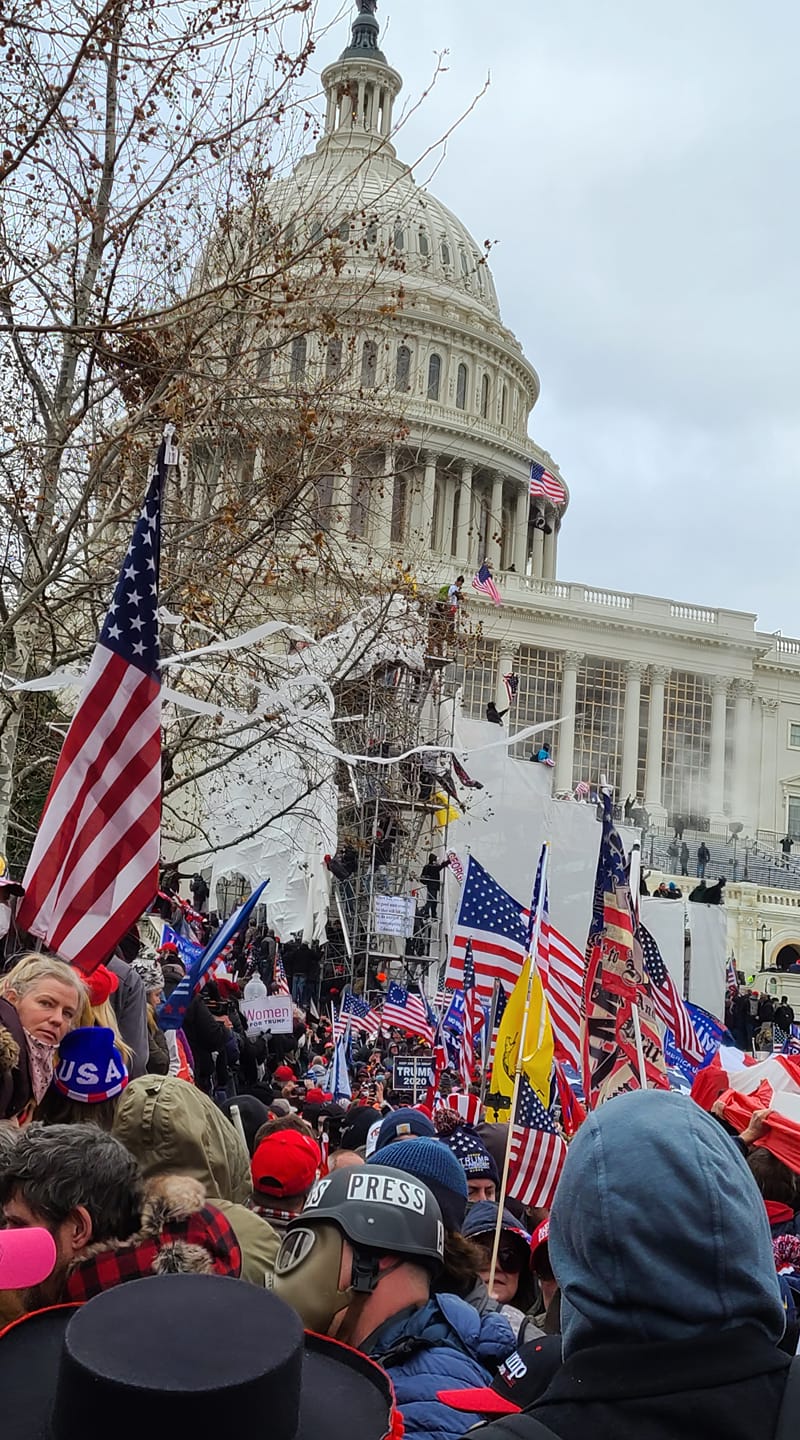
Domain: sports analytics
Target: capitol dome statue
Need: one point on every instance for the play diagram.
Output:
(422, 339)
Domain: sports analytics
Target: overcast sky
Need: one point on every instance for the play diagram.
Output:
(636, 166)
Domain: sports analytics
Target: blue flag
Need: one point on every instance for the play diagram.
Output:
(710, 1032)
(188, 950)
(171, 1014)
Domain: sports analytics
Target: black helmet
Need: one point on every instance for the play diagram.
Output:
(379, 1208)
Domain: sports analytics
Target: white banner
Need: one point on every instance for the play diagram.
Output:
(708, 928)
(665, 919)
(395, 914)
(271, 1012)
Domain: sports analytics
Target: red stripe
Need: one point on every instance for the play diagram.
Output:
(72, 914)
(127, 913)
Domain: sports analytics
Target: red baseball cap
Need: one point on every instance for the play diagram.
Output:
(285, 1163)
(283, 1073)
(101, 984)
(27, 1257)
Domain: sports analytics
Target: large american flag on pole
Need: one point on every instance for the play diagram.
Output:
(280, 984)
(94, 865)
(545, 484)
(667, 1001)
(497, 926)
(537, 1151)
(358, 1013)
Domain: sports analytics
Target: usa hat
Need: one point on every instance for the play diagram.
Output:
(519, 1382)
(90, 1067)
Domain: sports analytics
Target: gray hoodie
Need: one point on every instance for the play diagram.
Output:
(658, 1231)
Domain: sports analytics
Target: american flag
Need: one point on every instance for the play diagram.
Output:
(497, 926)
(499, 1011)
(511, 682)
(562, 968)
(484, 584)
(572, 1111)
(545, 484)
(94, 865)
(537, 1151)
(358, 1013)
(280, 984)
(408, 1012)
(668, 1002)
(474, 1020)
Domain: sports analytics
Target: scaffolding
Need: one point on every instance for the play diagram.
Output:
(390, 816)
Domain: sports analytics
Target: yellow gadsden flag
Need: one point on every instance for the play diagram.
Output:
(537, 1047)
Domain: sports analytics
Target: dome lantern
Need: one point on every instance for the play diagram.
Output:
(361, 88)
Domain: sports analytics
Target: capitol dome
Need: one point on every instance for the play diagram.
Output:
(428, 340)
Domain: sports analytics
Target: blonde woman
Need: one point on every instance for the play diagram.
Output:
(41, 998)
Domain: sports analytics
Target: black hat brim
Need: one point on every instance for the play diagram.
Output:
(343, 1391)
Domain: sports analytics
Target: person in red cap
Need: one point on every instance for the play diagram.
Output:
(284, 1168)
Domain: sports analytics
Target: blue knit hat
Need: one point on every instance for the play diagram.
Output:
(90, 1067)
(471, 1154)
(401, 1125)
(431, 1161)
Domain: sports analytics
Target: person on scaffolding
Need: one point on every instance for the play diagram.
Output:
(431, 877)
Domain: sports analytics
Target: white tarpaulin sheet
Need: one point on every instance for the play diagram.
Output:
(709, 931)
(665, 919)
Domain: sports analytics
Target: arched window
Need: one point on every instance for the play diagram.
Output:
(289, 234)
(297, 368)
(434, 376)
(447, 259)
(333, 359)
(343, 231)
(264, 362)
(485, 396)
(369, 365)
(424, 243)
(503, 404)
(402, 374)
(317, 233)
(461, 387)
(478, 272)
(399, 237)
(371, 233)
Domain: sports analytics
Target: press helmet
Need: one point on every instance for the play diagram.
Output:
(381, 1211)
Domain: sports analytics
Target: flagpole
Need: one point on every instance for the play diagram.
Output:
(532, 953)
(637, 1030)
(490, 1033)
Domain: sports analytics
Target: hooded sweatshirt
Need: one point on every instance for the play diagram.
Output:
(658, 1231)
(173, 1128)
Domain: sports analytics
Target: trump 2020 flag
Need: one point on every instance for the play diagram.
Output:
(94, 865)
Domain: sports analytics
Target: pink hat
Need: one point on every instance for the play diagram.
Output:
(27, 1257)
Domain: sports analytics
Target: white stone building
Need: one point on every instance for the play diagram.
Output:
(678, 702)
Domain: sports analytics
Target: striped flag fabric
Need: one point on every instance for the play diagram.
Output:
(484, 584)
(497, 927)
(511, 682)
(668, 1002)
(94, 865)
(562, 967)
(473, 1022)
(408, 1012)
(499, 1012)
(280, 985)
(537, 1151)
(545, 485)
(358, 1013)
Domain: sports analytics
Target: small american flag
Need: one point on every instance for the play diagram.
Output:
(484, 584)
(511, 682)
(94, 865)
(502, 1001)
(545, 484)
(582, 790)
(359, 1014)
(473, 1020)
(537, 1151)
(408, 1012)
(280, 984)
(667, 1001)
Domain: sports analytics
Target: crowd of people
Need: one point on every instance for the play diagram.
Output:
(195, 1207)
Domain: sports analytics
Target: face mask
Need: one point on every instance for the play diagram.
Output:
(307, 1272)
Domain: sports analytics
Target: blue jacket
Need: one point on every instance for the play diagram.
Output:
(446, 1345)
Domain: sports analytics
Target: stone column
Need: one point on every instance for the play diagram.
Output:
(424, 537)
(655, 743)
(521, 532)
(505, 666)
(768, 765)
(630, 730)
(494, 548)
(565, 733)
(538, 554)
(742, 757)
(549, 562)
(342, 497)
(716, 763)
(448, 506)
(384, 498)
(464, 545)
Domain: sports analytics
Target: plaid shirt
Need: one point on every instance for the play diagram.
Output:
(144, 1255)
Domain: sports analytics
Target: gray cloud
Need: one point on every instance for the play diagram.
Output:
(637, 168)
